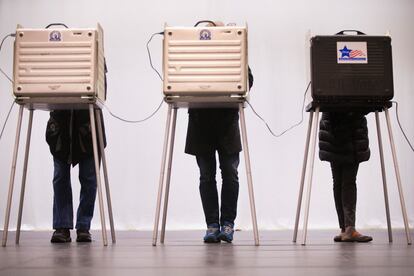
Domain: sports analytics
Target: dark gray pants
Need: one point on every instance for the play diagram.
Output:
(229, 189)
(345, 192)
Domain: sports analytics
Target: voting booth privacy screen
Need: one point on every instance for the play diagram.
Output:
(59, 62)
(347, 68)
(205, 61)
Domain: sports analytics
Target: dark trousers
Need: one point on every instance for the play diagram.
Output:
(345, 192)
(62, 201)
(229, 189)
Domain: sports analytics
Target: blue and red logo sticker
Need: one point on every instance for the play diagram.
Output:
(352, 52)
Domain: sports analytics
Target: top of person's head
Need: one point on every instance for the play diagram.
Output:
(217, 24)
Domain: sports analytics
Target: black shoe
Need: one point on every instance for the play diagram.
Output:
(83, 236)
(61, 236)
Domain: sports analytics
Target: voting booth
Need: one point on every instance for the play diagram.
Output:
(60, 68)
(350, 73)
(204, 66)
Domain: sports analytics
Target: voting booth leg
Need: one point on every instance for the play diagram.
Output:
(99, 119)
(384, 176)
(248, 173)
(162, 172)
(168, 176)
(12, 175)
(302, 179)
(397, 174)
(97, 171)
(24, 177)
(309, 186)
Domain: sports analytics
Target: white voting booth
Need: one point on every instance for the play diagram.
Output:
(203, 66)
(59, 68)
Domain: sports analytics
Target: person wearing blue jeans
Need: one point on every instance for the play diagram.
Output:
(69, 137)
(209, 194)
(62, 201)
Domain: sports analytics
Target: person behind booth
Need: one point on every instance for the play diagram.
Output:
(69, 136)
(210, 130)
(343, 141)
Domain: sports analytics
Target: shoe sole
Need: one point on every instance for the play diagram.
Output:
(82, 240)
(211, 240)
(223, 238)
(360, 241)
(60, 240)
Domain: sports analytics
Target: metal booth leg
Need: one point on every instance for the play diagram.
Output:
(168, 177)
(98, 116)
(248, 173)
(162, 172)
(12, 175)
(397, 173)
(309, 187)
(384, 177)
(97, 171)
(23, 188)
(302, 179)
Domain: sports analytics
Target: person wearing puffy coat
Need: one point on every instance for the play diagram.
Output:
(343, 141)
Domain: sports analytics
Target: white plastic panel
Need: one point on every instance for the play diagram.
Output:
(58, 63)
(205, 60)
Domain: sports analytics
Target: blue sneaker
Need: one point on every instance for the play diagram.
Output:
(213, 230)
(226, 233)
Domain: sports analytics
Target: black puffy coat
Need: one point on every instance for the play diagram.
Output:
(343, 137)
(69, 135)
(211, 129)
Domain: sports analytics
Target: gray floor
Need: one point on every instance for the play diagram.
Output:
(185, 254)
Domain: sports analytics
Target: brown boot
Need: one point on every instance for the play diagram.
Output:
(351, 235)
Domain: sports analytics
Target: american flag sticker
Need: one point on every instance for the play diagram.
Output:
(352, 52)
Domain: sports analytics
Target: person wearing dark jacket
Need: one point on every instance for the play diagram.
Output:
(343, 141)
(69, 136)
(210, 130)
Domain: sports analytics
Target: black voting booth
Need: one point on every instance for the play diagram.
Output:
(59, 68)
(350, 73)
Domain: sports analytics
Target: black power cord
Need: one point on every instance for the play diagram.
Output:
(4, 73)
(1, 45)
(291, 127)
(56, 24)
(205, 21)
(159, 75)
(131, 121)
(149, 54)
(401, 128)
(7, 118)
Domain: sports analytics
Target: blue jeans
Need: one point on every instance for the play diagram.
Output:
(62, 201)
(229, 190)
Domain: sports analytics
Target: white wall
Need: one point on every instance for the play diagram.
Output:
(278, 58)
